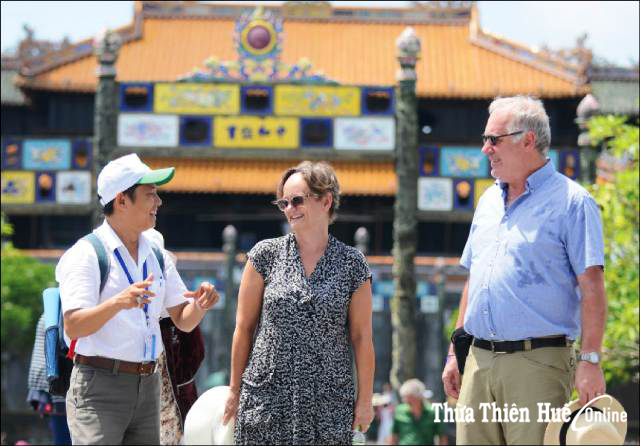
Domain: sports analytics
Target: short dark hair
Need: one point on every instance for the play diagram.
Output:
(107, 210)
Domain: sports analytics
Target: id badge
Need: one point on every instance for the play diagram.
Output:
(149, 352)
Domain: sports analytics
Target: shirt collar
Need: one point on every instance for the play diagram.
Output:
(536, 179)
(112, 241)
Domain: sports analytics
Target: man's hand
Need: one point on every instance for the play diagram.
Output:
(589, 381)
(205, 296)
(136, 295)
(451, 377)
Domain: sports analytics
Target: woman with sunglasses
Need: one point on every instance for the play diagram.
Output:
(304, 303)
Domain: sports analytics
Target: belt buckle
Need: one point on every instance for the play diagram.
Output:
(144, 363)
(493, 349)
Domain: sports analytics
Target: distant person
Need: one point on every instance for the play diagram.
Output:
(304, 301)
(114, 391)
(384, 409)
(414, 422)
(535, 256)
(51, 406)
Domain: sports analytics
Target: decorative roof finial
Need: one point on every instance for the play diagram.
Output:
(408, 52)
(105, 46)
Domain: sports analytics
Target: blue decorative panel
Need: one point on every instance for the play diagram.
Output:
(377, 101)
(463, 162)
(429, 161)
(195, 130)
(136, 97)
(256, 100)
(46, 154)
(82, 154)
(316, 132)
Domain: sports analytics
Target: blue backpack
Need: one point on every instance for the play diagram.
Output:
(59, 356)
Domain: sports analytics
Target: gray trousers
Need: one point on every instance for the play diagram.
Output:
(108, 408)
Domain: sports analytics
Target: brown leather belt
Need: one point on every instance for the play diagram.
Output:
(117, 366)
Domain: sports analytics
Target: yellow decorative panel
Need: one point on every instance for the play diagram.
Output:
(256, 132)
(480, 187)
(196, 99)
(317, 100)
(18, 187)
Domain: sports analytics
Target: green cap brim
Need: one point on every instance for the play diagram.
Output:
(158, 177)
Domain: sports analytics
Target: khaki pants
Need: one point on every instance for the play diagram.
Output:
(107, 408)
(543, 375)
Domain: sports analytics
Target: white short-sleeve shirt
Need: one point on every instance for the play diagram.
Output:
(123, 336)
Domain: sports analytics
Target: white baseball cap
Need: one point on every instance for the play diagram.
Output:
(122, 173)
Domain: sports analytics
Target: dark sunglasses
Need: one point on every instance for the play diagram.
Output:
(295, 201)
(494, 140)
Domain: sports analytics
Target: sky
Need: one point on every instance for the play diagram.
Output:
(612, 26)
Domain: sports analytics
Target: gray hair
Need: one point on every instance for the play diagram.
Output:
(527, 114)
(413, 387)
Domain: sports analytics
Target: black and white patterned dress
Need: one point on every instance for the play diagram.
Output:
(298, 386)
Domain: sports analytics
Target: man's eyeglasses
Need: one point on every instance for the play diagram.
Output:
(494, 140)
(295, 201)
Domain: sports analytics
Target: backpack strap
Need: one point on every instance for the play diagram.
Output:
(158, 255)
(104, 264)
(103, 258)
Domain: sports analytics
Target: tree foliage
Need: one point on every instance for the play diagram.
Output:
(618, 202)
(22, 281)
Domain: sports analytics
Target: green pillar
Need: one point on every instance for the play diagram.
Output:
(230, 239)
(587, 108)
(405, 220)
(106, 46)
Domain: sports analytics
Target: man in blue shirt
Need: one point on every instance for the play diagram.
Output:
(535, 257)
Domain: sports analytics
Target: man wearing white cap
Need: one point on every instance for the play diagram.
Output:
(113, 396)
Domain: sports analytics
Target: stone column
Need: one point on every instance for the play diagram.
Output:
(361, 238)
(405, 221)
(587, 108)
(229, 238)
(106, 46)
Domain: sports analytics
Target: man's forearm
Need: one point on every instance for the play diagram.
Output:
(593, 308)
(189, 317)
(594, 313)
(86, 321)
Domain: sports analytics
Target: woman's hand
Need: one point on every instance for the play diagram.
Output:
(231, 406)
(363, 416)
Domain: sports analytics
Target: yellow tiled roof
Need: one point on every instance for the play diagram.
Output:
(262, 176)
(455, 63)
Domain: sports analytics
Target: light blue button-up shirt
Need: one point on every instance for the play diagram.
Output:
(524, 258)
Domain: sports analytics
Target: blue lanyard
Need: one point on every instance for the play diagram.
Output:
(144, 276)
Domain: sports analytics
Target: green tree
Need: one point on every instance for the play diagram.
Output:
(22, 280)
(618, 200)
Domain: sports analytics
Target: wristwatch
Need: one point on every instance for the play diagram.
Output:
(592, 357)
